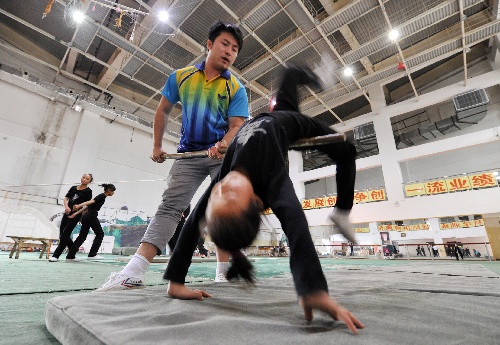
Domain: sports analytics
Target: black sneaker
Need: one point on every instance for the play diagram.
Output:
(307, 76)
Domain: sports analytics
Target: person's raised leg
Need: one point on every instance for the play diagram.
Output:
(343, 155)
(287, 96)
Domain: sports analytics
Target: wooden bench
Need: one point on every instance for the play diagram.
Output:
(20, 241)
(264, 250)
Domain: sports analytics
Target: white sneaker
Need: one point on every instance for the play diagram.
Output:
(120, 281)
(221, 271)
(341, 220)
(220, 277)
(97, 257)
(53, 259)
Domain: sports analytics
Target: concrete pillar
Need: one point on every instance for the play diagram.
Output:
(377, 97)
(494, 55)
(387, 146)
(83, 152)
(296, 166)
(492, 226)
(435, 232)
(376, 239)
(390, 167)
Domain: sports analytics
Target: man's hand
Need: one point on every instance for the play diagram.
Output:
(180, 291)
(67, 210)
(157, 155)
(322, 301)
(217, 151)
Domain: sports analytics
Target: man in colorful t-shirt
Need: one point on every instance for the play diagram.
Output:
(214, 106)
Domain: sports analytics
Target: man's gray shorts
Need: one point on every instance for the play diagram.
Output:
(183, 180)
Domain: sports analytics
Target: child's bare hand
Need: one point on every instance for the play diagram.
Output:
(180, 291)
(322, 301)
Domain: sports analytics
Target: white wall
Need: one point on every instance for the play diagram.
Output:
(467, 160)
(45, 147)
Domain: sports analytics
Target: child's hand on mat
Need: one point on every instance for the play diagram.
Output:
(323, 301)
(180, 291)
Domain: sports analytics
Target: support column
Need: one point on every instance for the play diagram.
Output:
(376, 239)
(492, 226)
(377, 97)
(494, 55)
(436, 235)
(390, 167)
(387, 146)
(83, 152)
(296, 166)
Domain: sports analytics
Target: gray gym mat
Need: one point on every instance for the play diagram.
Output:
(421, 303)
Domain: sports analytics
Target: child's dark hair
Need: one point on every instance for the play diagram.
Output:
(218, 27)
(234, 233)
(240, 267)
(108, 186)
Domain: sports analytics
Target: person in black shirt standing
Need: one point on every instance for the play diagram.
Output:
(75, 195)
(254, 176)
(90, 220)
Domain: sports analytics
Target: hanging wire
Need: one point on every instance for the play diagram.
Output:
(74, 183)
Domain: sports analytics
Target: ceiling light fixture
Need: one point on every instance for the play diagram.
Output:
(348, 71)
(78, 16)
(163, 15)
(393, 35)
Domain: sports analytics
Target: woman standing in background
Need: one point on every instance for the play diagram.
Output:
(90, 220)
(76, 195)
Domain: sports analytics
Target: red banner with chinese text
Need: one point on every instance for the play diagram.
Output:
(413, 227)
(463, 224)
